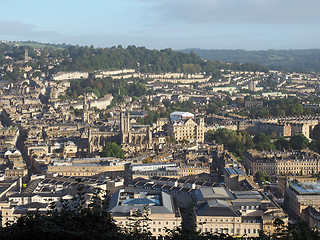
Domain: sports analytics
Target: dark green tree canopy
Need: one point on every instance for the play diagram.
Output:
(112, 149)
(298, 142)
(262, 142)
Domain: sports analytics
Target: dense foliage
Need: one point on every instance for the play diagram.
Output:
(239, 141)
(235, 141)
(287, 60)
(84, 58)
(263, 142)
(101, 87)
(95, 223)
(280, 108)
(112, 149)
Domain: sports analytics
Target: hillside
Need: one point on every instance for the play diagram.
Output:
(307, 60)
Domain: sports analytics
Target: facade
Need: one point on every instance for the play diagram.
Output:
(69, 75)
(302, 195)
(236, 213)
(276, 163)
(85, 167)
(236, 179)
(130, 135)
(311, 215)
(182, 127)
(189, 170)
(126, 206)
(283, 181)
(280, 129)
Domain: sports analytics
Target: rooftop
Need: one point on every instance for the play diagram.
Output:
(306, 188)
(123, 201)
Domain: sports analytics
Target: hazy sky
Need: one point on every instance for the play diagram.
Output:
(177, 24)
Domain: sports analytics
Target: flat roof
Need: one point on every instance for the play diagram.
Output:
(306, 188)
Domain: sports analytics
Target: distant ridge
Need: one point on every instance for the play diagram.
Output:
(307, 60)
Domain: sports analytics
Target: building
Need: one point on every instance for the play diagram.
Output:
(126, 206)
(311, 215)
(134, 135)
(300, 195)
(60, 76)
(236, 179)
(237, 213)
(183, 127)
(85, 112)
(189, 170)
(277, 162)
(252, 104)
(153, 166)
(283, 181)
(86, 167)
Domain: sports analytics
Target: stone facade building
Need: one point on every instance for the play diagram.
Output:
(160, 209)
(275, 163)
(134, 135)
(183, 127)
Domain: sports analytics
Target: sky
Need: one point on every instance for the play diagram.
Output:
(159, 24)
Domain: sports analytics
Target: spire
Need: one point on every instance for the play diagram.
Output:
(85, 114)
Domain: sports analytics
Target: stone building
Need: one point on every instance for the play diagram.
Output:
(138, 136)
(160, 209)
(85, 113)
(236, 213)
(183, 127)
(300, 195)
(86, 167)
(276, 162)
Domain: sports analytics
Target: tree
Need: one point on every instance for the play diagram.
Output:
(147, 160)
(316, 132)
(314, 145)
(112, 149)
(282, 144)
(235, 141)
(299, 142)
(260, 177)
(70, 222)
(262, 142)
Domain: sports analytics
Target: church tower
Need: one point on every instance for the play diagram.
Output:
(85, 113)
(125, 127)
(26, 55)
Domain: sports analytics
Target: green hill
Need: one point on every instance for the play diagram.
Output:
(307, 60)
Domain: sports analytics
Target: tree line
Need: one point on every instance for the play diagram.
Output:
(74, 220)
(240, 141)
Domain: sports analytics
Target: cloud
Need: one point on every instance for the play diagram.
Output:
(24, 31)
(235, 11)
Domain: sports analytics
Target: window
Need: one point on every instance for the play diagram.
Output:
(244, 231)
(159, 229)
(154, 230)
(248, 230)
